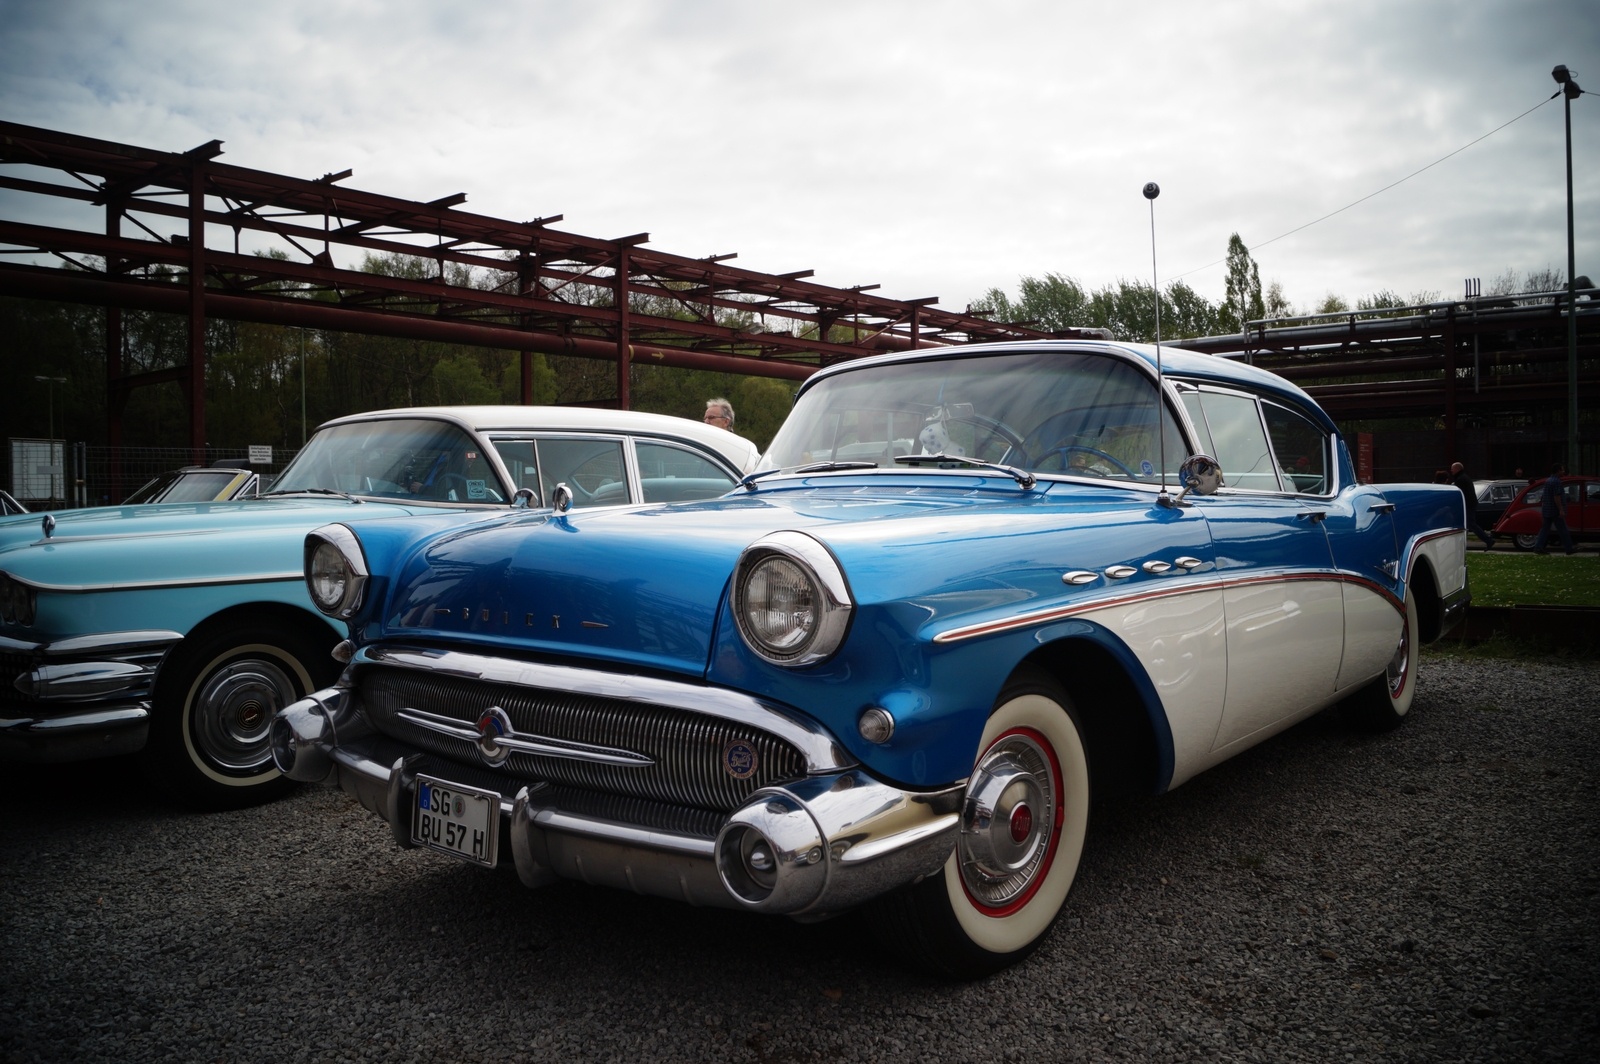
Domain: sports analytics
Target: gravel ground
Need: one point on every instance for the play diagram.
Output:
(1427, 895)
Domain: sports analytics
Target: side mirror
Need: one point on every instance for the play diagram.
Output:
(523, 499)
(1199, 474)
(561, 498)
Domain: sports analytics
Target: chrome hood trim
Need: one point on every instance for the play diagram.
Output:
(821, 752)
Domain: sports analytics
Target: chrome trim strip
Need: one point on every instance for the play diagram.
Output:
(110, 642)
(821, 752)
(135, 713)
(156, 585)
(1055, 613)
(529, 743)
(623, 834)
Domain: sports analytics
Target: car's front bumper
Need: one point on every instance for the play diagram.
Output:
(838, 838)
(79, 698)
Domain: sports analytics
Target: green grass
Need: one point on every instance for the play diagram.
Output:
(1504, 578)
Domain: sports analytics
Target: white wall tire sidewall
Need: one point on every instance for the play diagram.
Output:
(1402, 705)
(1007, 934)
(276, 653)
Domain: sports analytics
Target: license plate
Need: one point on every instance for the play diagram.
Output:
(461, 821)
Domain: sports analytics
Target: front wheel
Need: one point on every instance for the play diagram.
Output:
(214, 705)
(1525, 540)
(1022, 828)
(1383, 704)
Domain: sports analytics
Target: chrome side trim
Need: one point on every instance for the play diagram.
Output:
(821, 752)
(156, 585)
(1213, 583)
(107, 642)
(529, 743)
(137, 713)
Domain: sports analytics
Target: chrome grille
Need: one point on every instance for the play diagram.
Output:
(686, 747)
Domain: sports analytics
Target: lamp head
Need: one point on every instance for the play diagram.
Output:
(1152, 190)
(1561, 74)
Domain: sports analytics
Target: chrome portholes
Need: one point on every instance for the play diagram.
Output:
(233, 711)
(1009, 821)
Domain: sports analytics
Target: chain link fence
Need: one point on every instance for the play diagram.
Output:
(57, 475)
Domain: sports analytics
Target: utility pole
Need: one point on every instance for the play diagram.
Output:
(1570, 92)
(302, 387)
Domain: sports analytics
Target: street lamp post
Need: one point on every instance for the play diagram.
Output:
(1569, 92)
(50, 415)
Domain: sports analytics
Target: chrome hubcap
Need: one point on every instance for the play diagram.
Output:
(1008, 821)
(233, 712)
(1400, 665)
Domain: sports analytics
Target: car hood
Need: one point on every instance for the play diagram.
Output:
(645, 585)
(115, 546)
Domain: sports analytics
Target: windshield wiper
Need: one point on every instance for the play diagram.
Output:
(316, 491)
(748, 483)
(1021, 476)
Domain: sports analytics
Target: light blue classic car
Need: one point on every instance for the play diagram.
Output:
(969, 588)
(178, 631)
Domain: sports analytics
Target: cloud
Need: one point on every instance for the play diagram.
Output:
(937, 148)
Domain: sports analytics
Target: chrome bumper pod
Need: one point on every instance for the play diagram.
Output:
(305, 734)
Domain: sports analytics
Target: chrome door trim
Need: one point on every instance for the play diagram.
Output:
(156, 585)
(821, 751)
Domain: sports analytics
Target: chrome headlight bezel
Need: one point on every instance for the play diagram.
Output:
(341, 539)
(830, 592)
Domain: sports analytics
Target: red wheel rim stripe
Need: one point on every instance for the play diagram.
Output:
(1017, 903)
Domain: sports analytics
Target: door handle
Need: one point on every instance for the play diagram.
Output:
(1314, 516)
(1381, 508)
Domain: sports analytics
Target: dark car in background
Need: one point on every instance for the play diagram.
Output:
(1494, 496)
(215, 483)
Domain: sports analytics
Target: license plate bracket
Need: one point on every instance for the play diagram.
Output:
(463, 822)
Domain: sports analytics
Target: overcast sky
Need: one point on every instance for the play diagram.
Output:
(936, 148)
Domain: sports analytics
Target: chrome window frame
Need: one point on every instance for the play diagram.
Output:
(1329, 450)
(630, 465)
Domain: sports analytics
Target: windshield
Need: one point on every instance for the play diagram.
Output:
(1047, 412)
(431, 461)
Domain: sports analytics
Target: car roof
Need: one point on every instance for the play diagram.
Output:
(736, 449)
(1175, 361)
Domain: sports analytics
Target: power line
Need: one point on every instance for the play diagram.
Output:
(1385, 188)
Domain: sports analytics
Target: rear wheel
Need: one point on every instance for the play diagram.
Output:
(1383, 704)
(1017, 853)
(1525, 540)
(213, 708)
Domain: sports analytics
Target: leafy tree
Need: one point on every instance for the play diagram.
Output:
(1242, 301)
(1277, 304)
(1332, 304)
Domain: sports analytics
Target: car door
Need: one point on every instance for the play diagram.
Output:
(1281, 596)
(1359, 523)
(594, 468)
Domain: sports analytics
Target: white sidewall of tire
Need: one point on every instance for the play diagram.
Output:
(1402, 705)
(276, 653)
(1007, 934)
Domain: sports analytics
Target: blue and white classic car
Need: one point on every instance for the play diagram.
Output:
(179, 631)
(963, 594)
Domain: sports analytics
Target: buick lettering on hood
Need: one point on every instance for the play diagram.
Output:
(967, 590)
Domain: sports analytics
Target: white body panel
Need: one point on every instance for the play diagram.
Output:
(1371, 634)
(1448, 556)
(1182, 643)
(1285, 641)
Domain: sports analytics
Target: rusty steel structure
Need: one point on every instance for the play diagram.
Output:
(1477, 358)
(478, 280)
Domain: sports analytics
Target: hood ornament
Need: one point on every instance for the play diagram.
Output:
(49, 525)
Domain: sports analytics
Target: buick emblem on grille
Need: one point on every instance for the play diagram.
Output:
(739, 759)
(493, 725)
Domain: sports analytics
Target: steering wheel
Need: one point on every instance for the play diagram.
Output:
(440, 488)
(1064, 451)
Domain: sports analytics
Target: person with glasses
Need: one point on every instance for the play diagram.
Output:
(719, 412)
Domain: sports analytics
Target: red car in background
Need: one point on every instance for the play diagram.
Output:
(1522, 521)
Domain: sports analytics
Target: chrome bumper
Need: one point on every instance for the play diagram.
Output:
(97, 731)
(835, 840)
(81, 698)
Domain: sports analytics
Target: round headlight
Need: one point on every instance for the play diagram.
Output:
(791, 603)
(336, 570)
(329, 576)
(780, 606)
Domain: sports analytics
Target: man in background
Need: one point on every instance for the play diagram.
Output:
(719, 412)
(1553, 509)
(1469, 492)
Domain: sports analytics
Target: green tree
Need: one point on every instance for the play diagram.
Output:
(1242, 299)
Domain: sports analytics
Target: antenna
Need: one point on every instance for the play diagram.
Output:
(1151, 191)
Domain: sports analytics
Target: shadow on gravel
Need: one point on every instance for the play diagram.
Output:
(1427, 895)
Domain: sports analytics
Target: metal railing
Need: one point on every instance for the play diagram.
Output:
(95, 475)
